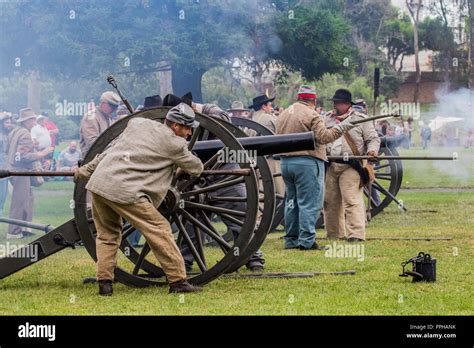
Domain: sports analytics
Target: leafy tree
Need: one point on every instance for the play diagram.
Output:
(359, 87)
(398, 35)
(313, 42)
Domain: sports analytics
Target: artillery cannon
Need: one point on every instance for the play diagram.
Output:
(190, 202)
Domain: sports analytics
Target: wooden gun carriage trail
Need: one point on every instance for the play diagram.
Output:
(191, 203)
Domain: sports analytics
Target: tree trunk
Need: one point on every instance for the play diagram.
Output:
(164, 78)
(184, 82)
(401, 62)
(34, 92)
(471, 43)
(415, 18)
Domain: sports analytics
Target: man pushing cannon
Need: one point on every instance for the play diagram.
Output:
(129, 180)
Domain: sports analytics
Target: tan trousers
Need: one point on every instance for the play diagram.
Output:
(21, 207)
(344, 212)
(144, 217)
(279, 183)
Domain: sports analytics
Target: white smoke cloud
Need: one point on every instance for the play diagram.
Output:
(459, 103)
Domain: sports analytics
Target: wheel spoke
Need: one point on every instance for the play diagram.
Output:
(227, 178)
(194, 138)
(210, 231)
(190, 244)
(213, 187)
(372, 200)
(199, 246)
(214, 209)
(385, 192)
(226, 199)
(383, 176)
(143, 254)
(382, 166)
(128, 231)
(231, 218)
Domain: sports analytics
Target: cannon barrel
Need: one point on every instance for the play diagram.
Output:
(33, 225)
(263, 145)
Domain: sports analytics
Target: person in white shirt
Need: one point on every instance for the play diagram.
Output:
(41, 137)
(40, 134)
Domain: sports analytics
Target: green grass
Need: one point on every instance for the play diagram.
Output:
(56, 186)
(54, 287)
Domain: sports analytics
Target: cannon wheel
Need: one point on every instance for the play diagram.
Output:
(245, 123)
(267, 210)
(210, 263)
(388, 180)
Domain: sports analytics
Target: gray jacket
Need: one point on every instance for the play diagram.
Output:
(141, 162)
(265, 119)
(364, 136)
(93, 124)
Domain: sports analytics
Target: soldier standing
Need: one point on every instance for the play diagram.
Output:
(6, 126)
(237, 110)
(263, 112)
(264, 115)
(344, 212)
(303, 171)
(97, 120)
(20, 157)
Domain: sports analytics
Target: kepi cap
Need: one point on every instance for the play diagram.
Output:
(183, 114)
(110, 97)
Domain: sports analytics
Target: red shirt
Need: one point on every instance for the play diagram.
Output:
(50, 125)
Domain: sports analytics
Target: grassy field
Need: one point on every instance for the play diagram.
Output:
(54, 286)
(430, 174)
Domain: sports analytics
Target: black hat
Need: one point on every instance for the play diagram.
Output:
(173, 100)
(152, 102)
(188, 99)
(259, 101)
(343, 95)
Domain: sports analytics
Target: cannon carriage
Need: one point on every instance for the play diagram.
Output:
(190, 204)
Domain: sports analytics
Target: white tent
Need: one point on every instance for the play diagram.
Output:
(439, 122)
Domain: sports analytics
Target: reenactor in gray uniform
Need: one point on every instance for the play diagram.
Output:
(97, 120)
(344, 212)
(129, 181)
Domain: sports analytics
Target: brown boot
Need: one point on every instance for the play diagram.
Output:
(105, 287)
(183, 286)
